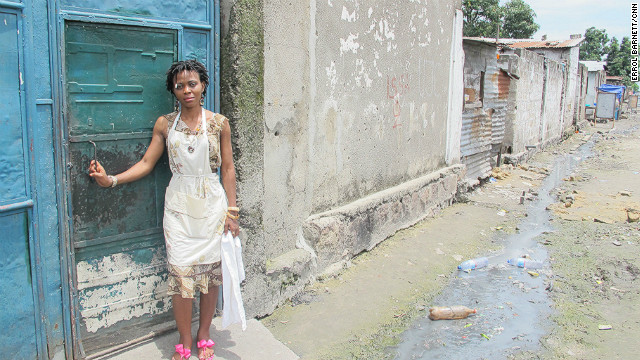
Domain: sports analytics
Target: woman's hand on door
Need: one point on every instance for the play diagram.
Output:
(98, 173)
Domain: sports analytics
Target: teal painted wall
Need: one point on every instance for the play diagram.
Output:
(43, 133)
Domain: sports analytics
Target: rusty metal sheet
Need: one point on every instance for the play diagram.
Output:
(504, 82)
(484, 114)
(498, 102)
(476, 132)
(475, 142)
(478, 165)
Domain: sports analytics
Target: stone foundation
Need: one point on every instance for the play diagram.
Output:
(339, 234)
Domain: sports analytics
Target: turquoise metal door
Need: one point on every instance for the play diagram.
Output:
(114, 92)
(18, 284)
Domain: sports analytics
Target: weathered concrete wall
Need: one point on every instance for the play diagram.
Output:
(595, 79)
(523, 122)
(242, 99)
(592, 86)
(581, 95)
(569, 58)
(572, 89)
(456, 91)
(341, 232)
(379, 116)
(355, 103)
(552, 114)
(380, 94)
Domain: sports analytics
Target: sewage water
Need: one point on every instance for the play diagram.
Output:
(513, 306)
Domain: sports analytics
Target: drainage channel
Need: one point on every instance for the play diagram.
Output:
(513, 305)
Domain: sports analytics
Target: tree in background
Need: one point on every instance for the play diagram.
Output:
(483, 18)
(619, 61)
(597, 47)
(594, 46)
(619, 57)
(518, 21)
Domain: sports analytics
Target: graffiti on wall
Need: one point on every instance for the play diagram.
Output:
(397, 86)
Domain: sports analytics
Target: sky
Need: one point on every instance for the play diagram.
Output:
(560, 18)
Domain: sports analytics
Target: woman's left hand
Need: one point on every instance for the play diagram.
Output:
(232, 225)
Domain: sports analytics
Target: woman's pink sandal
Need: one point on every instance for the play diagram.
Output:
(203, 344)
(184, 353)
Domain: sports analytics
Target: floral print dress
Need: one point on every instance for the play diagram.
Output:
(195, 205)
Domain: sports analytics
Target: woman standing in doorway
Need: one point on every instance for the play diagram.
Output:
(198, 210)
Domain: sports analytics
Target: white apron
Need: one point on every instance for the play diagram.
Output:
(195, 203)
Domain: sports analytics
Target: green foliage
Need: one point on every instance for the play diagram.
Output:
(515, 19)
(481, 17)
(597, 46)
(518, 21)
(615, 59)
(594, 45)
(619, 57)
(619, 61)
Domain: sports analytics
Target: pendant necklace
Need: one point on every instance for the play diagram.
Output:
(193, 140)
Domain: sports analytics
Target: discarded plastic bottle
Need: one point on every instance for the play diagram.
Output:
(450, 312)
(474, 264)
(525, 263)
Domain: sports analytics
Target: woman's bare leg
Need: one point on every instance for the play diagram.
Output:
(182, 308)
(208, 304)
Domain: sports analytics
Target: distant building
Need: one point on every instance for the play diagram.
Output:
(614, 80)
(520, 94)
(566, 52)
(596, 77)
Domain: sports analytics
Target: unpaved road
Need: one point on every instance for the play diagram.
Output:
(594, 254)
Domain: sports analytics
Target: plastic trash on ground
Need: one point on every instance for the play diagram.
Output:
(450, 312)
(474, 264)
(525, 263)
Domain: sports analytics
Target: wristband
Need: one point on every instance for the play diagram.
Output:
(114, 180)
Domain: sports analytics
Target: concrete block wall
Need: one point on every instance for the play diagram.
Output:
(536, 113)
(581, 95)
(526, 97)
(569, 57)
(572, 90)
(553, 102)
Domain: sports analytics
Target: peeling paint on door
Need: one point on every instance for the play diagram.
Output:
(117, 288)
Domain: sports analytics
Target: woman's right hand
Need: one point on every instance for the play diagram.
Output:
(97, 172)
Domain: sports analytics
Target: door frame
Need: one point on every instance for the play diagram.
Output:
(28, 204)
(58, 16)
(71, 305)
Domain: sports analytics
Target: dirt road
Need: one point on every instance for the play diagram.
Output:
(593, 252)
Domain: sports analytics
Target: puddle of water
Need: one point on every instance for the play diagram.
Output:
(513, 306)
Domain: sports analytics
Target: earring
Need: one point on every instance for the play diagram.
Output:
(202, 101)
(176, 107)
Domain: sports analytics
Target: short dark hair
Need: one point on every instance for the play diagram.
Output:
(188, 65)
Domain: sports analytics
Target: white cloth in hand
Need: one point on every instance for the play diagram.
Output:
(232, 275)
